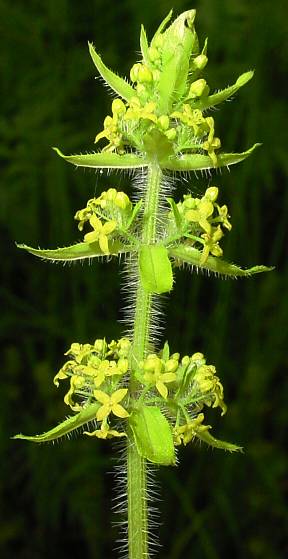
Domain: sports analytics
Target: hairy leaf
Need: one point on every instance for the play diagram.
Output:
(153, 435)
(207, 438)
(155, 269)
(144, 44)
(119, 85)
(105, 160)
(198, 162)
(70, 424)
(79, 251)
(216, 98)
(185, 254)
(178, 42)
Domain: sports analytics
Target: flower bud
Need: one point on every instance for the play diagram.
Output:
(144, 74)
(134, 72)
(199, 62)
(171, 366)
(163, 122)
(118, 107)
(212, 193)
(185, 360)
(197, 356)
(153, 53)
(122, 200)
(100, 345)
(198, 88)
(171, 134)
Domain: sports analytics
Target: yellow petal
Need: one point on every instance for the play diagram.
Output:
(168, 377)
(91, 237)
(119, 411)
(103, 243)
(102, 397)
(95, 222)
(102, 412)
(118, 395)
(162, 389)
(109, 227)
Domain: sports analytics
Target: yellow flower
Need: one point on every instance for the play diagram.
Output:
(100, 233)
(185, 433)
(224, 216)
(104, 433)
(208, 383)
(137, 112)
(64, 372)
(211, 244)
(110, 404)
(77, 382)
(200, 215)
(212, 142)
(154, 373)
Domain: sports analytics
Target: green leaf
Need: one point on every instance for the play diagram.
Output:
(155, 269)
(70, 424)
(119, 85)
(135, 212)
(144, 45)
(162, 26)
(207, 438)
(153, 435)
(198, 162)
(166, 352)
(79, 251)
(186, 254)
(178, 42)
(176, 213)
(105, 160)
(212, 100)
(156, 144)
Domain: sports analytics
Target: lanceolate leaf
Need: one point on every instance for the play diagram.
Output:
(76, 252)
(220, 96)
(144, 44)
(105, 160)
(207, 438)
(198, 162)
(178, 42)
(162, 26)
(120, 86)
(153, 435)
(185, 254)
(70, 424)
(155, 269)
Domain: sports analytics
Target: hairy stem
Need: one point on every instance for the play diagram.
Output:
(136, 465)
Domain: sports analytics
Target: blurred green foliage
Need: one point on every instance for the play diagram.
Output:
(56, 501)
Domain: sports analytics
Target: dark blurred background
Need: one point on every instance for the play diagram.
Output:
(56, 500)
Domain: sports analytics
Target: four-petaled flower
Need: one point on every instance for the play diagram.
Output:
(211, 244)
(110, 404)
(185, 433)
(154, 373)
(201, 213)
(104, 433)
(100, 232)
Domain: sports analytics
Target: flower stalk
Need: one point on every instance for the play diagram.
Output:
(131, 388)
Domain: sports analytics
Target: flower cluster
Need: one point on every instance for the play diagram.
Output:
(192, 384)
(97, 372)
(178, 119)
(110, 213)
(200, 221)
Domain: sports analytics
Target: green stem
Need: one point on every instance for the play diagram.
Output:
(136, 465)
